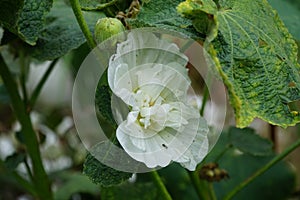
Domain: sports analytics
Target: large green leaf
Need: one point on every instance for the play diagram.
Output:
(24, 18)
(277, 183)
(162, 14)
(241, 160)
(256, 57)
(245, 140)
(102, 174)
(248, 141)
(62, 32)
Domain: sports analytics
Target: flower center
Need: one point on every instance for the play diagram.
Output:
(150, 111)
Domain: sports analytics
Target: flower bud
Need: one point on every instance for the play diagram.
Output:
(107, 27)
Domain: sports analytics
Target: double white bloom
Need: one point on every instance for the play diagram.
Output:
(149, 75)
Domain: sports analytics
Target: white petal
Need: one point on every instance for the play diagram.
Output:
(148, 151)
(144, 48)
(135, 130)
(164, 146)
(146, 40)
(132, 117)
(197, 150)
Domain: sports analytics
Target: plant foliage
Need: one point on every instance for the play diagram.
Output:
(255, 55)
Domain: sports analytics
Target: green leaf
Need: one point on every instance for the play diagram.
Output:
(257, 59)
(103, 106)
(247, 141)
(242, 160)
(136, 191)
(13, 161)
(295, 3)
(73, 183)
(102, 174)
(289, 14)
(162, 14)
(103, 100)
(200, 13)
(277, 183)
(24, 18)
(62, 32)
(109, 7)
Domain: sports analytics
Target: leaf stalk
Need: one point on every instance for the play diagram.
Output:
(82, 23)
(160, 185)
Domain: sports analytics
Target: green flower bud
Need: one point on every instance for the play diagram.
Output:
(107, 27)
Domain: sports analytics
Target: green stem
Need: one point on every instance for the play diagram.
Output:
(28, 169)
(40, 85)
(262, 170)
(205, 98)
(24, 68)
(212, 191)
(223, 152)
(158, 182)
(82, 23)
(19, 179)
(41, 181)
(100, 6)
(200, 186)
(208, 82)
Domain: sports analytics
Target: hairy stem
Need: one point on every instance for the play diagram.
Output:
(262, 170)
(40, 85)
(160, 185)
(82, 23)
(41, 181)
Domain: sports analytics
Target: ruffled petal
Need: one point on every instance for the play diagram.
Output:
(140, 49)
(197, 150)
(149, 75)
(160, 148)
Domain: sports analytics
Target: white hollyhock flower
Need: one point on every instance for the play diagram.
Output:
(149, 75)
